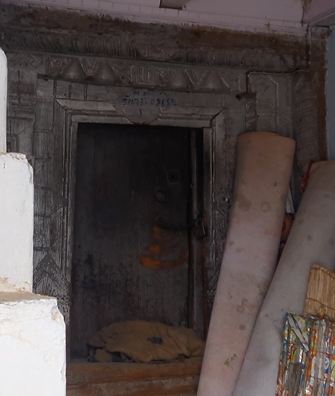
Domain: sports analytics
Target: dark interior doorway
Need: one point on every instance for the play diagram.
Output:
(134, 201)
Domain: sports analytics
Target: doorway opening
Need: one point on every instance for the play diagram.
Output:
(137, 229)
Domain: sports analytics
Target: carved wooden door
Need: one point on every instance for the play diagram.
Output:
(131, 231)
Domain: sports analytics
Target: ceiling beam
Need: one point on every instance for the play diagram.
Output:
(320, 12)
(174, 4)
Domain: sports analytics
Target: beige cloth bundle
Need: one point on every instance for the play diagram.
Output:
(145, 342)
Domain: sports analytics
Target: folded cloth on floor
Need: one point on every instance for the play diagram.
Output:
(307, 360)
(142, 341)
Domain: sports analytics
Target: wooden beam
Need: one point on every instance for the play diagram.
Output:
(320, 12)
(174, 4)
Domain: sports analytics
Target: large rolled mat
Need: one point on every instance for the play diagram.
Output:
(312, 240)
(264, 162)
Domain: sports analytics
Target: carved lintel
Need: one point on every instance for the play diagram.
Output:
(151, 49)
(139, 74)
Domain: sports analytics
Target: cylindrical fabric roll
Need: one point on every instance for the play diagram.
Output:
(311, 241)
(264, 163)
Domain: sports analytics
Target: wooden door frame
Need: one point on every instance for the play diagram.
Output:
(76, 112)
(213, 112)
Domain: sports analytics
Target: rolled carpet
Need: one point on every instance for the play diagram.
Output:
(263, 169)
(312, 240)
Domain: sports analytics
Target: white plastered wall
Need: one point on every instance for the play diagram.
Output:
(16, 226)
(32, 344)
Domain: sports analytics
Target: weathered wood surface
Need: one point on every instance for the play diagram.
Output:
(131, 257)
(132, 379)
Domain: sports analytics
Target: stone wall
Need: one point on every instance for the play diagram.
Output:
(68, 68)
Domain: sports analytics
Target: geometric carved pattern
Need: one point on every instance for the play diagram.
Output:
(145, 74)
(48, 280)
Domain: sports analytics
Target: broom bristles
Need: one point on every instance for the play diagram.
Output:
(320, 297)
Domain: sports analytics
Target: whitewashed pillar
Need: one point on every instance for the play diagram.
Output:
(16, 207)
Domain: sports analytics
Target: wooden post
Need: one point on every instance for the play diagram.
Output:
(3, 101)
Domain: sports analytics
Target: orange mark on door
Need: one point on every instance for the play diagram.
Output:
(168, 249)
